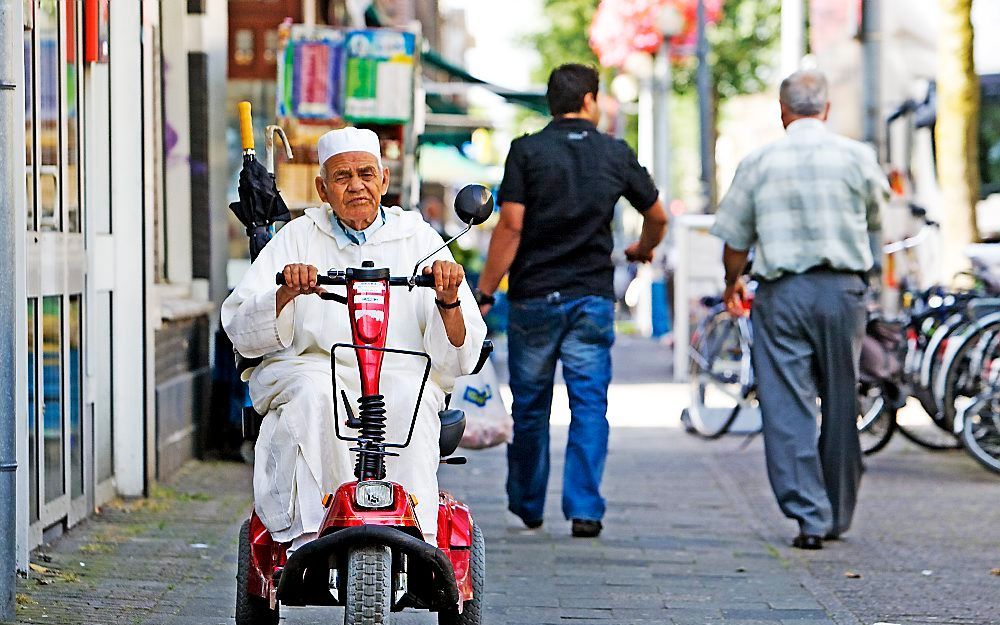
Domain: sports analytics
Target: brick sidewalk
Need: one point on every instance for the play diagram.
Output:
(693, 537)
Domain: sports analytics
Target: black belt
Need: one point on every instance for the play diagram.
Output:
(819, 269)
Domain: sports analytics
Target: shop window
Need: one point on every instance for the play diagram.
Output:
(244, 50)
(76, 394)
(71, 89)
(52, 396)
(102, 316)
(47, 114)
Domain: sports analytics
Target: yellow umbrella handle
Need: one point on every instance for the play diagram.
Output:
(246, 125)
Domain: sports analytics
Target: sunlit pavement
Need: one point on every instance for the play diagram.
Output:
(692, 536)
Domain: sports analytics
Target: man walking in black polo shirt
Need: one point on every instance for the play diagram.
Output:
(558, 195)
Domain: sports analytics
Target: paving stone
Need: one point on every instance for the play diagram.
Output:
(693, 536)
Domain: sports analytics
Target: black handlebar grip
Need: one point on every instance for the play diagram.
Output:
(424, 279)
(279, 279)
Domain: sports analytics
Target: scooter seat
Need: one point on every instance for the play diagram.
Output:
(452, 429)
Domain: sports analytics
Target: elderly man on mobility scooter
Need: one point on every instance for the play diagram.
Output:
(299, 459)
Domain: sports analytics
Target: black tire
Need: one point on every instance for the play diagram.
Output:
(720, 376)
(930, 436)
(876, 420)
(934, 353)
(926, 399)
(250, 610)
(981, 432)
(368, 600)
(472, 612)
(961, 381)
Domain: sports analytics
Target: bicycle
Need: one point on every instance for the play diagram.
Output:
(722, 382)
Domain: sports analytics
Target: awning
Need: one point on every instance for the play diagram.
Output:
(528, 99)
(445, 164)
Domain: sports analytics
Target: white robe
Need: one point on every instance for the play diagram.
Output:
(298, 458)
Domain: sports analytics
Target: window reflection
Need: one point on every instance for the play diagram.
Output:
(75, 395)
(52, 403)
(102, 316)
(47, 83)
(74, 78)
(32, 411)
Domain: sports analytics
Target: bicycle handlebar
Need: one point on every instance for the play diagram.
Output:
(337, 278)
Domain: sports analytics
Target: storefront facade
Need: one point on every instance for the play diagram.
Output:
(104, 252)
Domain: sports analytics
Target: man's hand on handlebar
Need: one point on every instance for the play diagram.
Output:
(635, 253)
(300, 279)
(734, 297)
(448, 276)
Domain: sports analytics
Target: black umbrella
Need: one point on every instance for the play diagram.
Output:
(260, 204)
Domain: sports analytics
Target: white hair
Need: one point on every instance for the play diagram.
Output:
(804, 92)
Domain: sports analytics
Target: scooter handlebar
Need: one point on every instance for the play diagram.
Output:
(321, 279)
(426, 280)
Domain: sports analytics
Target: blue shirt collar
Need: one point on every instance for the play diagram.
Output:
(345, 235)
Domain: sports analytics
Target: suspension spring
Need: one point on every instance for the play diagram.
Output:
(372, 434)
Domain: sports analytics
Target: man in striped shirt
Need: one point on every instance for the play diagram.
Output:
(809, 205)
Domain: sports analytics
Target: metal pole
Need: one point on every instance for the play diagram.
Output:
(10, 77)
(661, 121)
(704, 81)
(792, 35)
(871, 42)
(646, 110)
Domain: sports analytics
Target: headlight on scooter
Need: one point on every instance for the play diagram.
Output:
(372, 494)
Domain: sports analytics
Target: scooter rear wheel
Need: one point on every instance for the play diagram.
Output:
(472, 612)
(250, 609)
(368, 600)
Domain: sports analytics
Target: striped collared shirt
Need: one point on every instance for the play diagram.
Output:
(807, 200)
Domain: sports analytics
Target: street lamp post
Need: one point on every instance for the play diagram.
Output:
(669, 22)
(705, 112)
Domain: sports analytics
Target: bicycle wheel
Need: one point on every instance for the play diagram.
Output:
(720, 375)
(926, 433)
(876, 419)
(959, 379)
(933, 357)
(981, 431)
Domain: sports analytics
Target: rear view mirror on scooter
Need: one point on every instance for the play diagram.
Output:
(473, 205)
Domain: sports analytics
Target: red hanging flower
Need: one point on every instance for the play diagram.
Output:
(622, 27)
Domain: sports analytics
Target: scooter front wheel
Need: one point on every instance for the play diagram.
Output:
(368, 600)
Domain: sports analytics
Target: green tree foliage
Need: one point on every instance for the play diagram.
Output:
(742, 49)
(742, 53)
(564, 35)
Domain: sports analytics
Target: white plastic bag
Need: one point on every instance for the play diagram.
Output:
(487, 421)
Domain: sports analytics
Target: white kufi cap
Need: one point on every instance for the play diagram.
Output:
(348, 139)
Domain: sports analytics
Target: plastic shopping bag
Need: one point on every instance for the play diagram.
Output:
(487, 421)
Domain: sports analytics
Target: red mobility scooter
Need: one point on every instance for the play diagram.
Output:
(370, 555)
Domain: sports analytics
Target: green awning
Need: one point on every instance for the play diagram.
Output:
(458, 138)
(445, 164)
(439, 104)
(532, 100)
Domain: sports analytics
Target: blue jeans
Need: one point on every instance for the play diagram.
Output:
(579, 332)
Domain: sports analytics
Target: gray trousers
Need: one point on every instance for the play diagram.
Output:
(807, 341)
